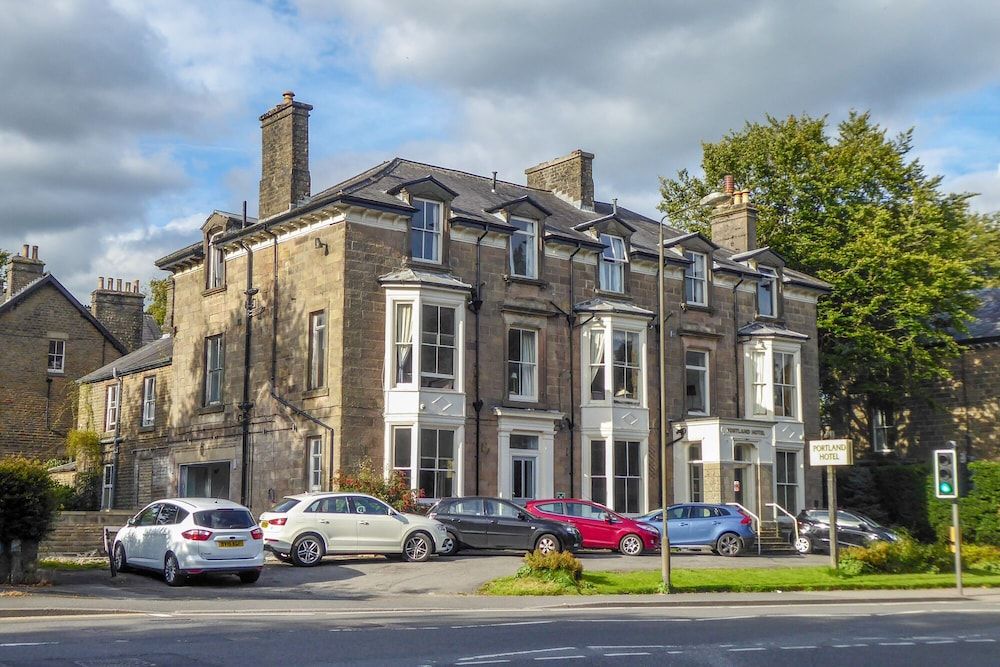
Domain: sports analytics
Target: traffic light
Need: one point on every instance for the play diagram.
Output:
(946, 473)
(965, 482)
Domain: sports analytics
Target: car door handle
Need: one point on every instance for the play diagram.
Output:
(364, 523)
(324, 521)
(685, 523)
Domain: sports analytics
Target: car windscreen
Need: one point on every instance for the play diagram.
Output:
(224, 519)
(284, 505)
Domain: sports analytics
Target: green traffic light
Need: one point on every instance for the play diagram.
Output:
(944, 487)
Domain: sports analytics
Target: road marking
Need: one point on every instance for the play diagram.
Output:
(980, 641)
(522, 623)
(16, 644)
(849, 645)
(615, 655)
(942, 641)
(515, 653)
(748, 648)
(794, 648)
(482, 662)
(561, 657)
(598, 647)
(895, 643)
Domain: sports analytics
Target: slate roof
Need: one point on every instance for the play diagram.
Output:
(156, 354)
(47, 279)
(985, 325)
(475, 197)
(770, 329)
(150, 329)
(409, 275)
(601, 305)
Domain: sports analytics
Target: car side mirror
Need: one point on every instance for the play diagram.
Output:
(523, 516)
(864, 526)
(130, 522)
(609, 519)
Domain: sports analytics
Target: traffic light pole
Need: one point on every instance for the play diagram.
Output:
(831, 493)
(958, 546)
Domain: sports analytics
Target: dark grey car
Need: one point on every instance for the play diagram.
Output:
(495, 523)
(853, 530)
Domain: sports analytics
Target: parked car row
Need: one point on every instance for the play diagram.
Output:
(853, 530)
(181, 537)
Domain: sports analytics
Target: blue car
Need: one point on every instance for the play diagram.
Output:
(724, 529)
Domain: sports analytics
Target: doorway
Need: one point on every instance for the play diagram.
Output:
(205, 480)
(744, 477)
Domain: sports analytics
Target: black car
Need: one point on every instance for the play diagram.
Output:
(494, 523)
(853, 530)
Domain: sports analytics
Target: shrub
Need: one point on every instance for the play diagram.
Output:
(366, 478)
(84, 446)
(905, 556)
(553, 565)
(27, 500)
(981, 558)
(84, 495)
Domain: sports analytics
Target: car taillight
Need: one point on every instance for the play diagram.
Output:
(257, 533)
(197, 534)
(280, 521)
(746, 520)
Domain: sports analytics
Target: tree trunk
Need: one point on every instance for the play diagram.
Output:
(5, 561)
(24, 562)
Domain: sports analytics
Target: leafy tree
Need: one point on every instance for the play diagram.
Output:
(27, 510)
(158, 299)
(856, 211)
(4, 258)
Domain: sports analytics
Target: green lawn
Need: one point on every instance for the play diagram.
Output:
(756, 580)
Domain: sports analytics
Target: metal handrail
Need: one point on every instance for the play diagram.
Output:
(753, 516)
(795, 523)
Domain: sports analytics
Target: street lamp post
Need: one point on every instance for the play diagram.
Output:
(712, 199)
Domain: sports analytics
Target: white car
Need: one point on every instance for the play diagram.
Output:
(304, 528)
(186, 536)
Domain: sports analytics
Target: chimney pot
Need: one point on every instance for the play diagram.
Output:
(100, 283)
(24, 251)
(119, 285)
(34, 252)
(730, 184)
(288, 96)
(135, 285)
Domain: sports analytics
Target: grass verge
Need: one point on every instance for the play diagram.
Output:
(73, 564)
(750, 580)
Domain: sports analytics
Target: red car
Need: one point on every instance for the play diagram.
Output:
(599, 527)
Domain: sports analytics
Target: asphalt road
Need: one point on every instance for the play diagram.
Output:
(346, 577)
(902, 633)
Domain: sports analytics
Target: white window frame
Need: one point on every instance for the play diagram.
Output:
(317, 350)
(314, 448)
(628, 367)
(404, 468)
(530, 234)
(883, 421)
(108, 486)
(439, 344)
(218, 341)
(57, 356)
(418, 467)
(413, 428)
(695, 278)
(765, 350)
(436, 232)
(523, 367)
(794, 485)
(794, 385)
(771, 279)
(696, 470)
(417, 298)
(401, 347)
(148, 401)
(608, 327)
(112, 402)
(704, 381)
(216, 263)
(608, 480)
(612, 261)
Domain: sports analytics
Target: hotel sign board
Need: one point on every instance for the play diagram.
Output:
(831, 453)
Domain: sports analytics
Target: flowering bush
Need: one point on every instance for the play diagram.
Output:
(365, 477)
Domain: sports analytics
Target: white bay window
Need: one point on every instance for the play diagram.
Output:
(773, 372)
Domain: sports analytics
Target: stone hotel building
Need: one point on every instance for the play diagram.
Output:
(479, 336)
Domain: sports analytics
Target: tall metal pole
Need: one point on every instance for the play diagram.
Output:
(831, 494)
(958, 545)
(662, 354)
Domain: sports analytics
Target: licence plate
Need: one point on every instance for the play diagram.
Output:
(230, 543)
(263, 524)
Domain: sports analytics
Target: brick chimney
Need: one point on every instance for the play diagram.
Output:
(118, 306)
(734, 225)
(22, 269)
(570, 177)
(284, 177)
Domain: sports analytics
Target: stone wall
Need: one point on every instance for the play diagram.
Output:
(81, 533)
(119, 307)
(571, 177)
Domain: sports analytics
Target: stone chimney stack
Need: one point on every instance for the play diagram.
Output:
(570, 178)
(23, 269)
(284, 177)
(120, 309)
(734, 225)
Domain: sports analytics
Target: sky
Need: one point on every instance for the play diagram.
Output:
(125, 123)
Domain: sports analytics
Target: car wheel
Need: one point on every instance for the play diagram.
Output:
(631, 545)
(172, 571)
(249, 577)
(121, 562)
(307, 551)
(548, 544)
(729, 544)
(803, 545)
(417, 548)
(450, 547)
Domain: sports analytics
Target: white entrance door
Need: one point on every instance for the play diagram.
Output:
(745, 478)
(523, 479)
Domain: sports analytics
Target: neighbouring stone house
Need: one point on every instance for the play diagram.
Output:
(479, 336)
(48, 340)
(964, 409)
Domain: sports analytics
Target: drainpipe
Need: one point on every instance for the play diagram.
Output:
(117, 441)
(246, 405)
(476, 306)
(736, 347)
(570, 317)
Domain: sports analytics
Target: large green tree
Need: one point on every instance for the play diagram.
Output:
(158, 299)
(856, 210)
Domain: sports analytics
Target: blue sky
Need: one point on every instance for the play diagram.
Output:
(126, 122)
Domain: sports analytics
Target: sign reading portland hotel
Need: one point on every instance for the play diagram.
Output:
(831, 453)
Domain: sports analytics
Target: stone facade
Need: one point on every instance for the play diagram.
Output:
(119, 306)
(344, 261)
(37, 390)
(285, 149)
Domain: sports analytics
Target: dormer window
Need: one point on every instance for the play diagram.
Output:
(425, 231)
(696, 279)
(524, 248)
(216, 262)
(767, 292)
(613, 261)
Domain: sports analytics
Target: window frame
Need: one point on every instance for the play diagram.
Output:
(397, 379)
(314, 451)
(450, 473)
(705, 382)
(613, 263)
(691, 278)
(883, 420)
(766, 387)
(437, 233)
(57, 355)
(147, 416)
(782, 488)
(438, 345)
(604, 371)
(108, 486)
(772, 279)
(210, 372)
(696, 474)
(629, 369)
(215, 259)
(532, 255)
(112, 407)
(317, 347)
(603, 473)
(793, 385)
(531, 366)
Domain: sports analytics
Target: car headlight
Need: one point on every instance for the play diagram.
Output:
(805, 528)
(440, 528)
